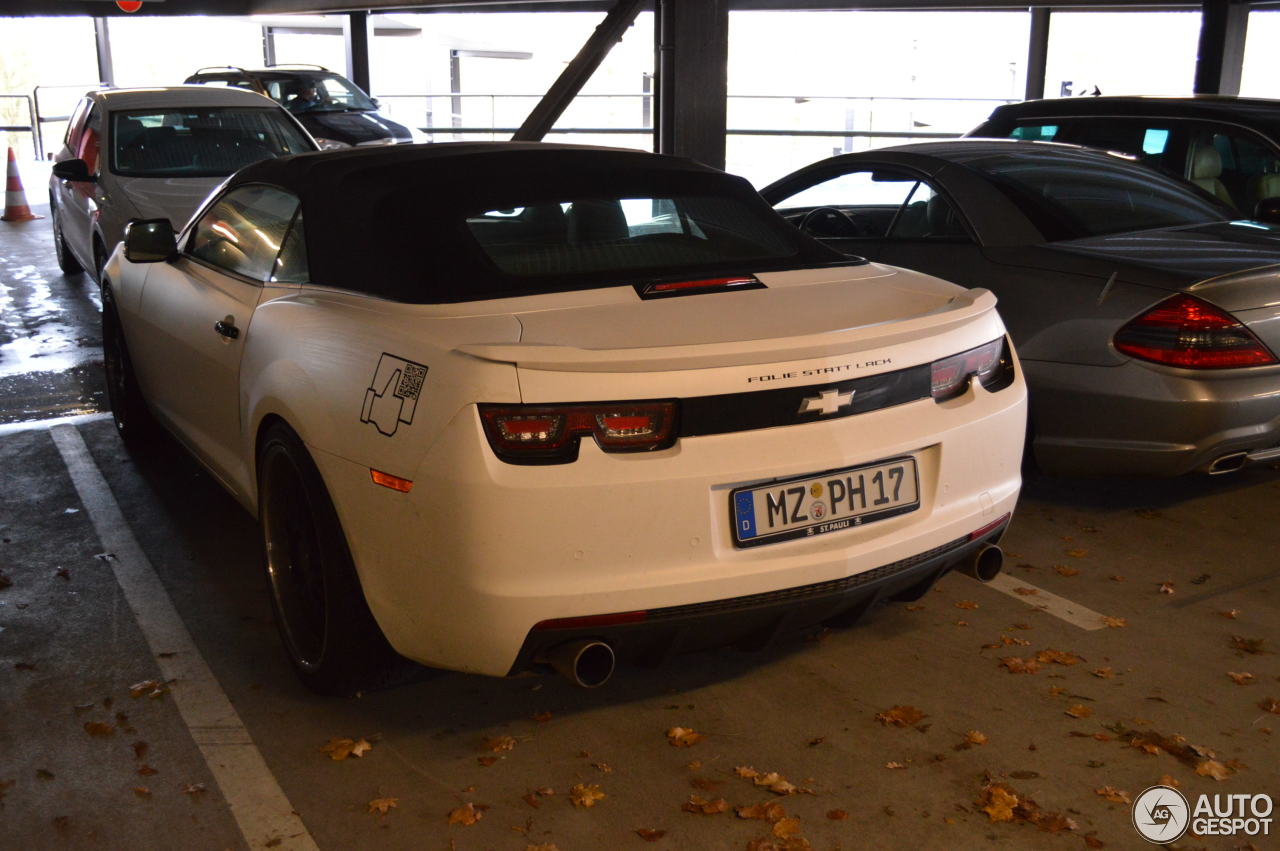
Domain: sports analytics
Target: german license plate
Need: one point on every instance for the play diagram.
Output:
(824, 502)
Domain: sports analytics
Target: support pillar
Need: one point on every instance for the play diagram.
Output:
(692, 47)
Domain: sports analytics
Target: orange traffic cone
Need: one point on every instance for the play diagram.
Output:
(15, 198)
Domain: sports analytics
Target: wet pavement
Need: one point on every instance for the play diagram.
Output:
(50, 323)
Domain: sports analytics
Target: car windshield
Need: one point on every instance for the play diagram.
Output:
(1071, 198)
(319, 93)
(199, 141)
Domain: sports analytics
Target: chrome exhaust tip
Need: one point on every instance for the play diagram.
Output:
(1228, 463)
(586, 663)
(986, 564)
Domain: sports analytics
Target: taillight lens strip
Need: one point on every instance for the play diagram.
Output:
(1191, 333)
(990, 362)
(550, 434)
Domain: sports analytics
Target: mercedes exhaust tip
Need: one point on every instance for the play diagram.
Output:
(587, 663)
(986, 564)
(1229, 463)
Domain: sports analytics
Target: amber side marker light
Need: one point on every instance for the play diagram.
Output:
(389, 481)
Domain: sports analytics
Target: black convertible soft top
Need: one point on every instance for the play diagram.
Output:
(392, 221)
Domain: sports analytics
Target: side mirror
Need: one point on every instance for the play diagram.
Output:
(1268, 210)
(77, 171)
(149, 241)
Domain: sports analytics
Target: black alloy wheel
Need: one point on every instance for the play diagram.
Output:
(329, 633)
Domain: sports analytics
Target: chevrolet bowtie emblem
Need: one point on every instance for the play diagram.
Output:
(826, 403)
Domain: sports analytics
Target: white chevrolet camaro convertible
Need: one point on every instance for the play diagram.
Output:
(502, 405)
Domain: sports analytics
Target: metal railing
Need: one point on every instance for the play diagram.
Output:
(41, 119)
(30, 127)
(506, 111)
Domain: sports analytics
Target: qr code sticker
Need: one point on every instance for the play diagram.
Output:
(411, 381)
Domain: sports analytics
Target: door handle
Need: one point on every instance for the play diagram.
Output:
(227, 328)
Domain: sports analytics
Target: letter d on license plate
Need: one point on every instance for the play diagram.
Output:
(823, 502)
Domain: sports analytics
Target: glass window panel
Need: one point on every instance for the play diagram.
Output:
(243, 231)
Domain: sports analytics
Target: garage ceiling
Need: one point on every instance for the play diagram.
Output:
(101, 8)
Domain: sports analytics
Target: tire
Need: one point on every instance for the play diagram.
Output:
(99, 261)
(67, 261)
(129, 411)
(329, 633)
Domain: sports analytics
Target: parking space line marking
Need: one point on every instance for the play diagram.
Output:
(257, 802)
(1059, 607)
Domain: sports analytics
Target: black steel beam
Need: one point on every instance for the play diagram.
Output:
(575, 75)
(692, 47)
(1037, 52)
(1223, 25)
(355, 32)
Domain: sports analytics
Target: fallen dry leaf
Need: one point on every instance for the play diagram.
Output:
(1079, 710)
(1114, 795)
(966, 604)
(1063, 570)
(193, 789)
(384, 805)
(775, 783)
(602, 767)
(1017, 665)
(1092, 841)
(1057, 691)
(1117, 578)
(340, 749)
(999, 803)
(99, 728)
(542, 717)
(465, 815)
(142, 791)
(1103, 673)
(1114, 623)
(1247, 645)
(1166, 587)
(487, 761)
(1270, 704)
(745, 771)
(1213, 768)
(699, 804)
(962, 623)
(1168, 780)
(648, 834)
(914, 607)
(146, 771)
(894, 765)
(683, 737)
(545, 846)
(900, 716)
(585, 794)
(786, 827)
(1241, 679)
(1056, 657)
(1026, 592)
(498, 744)
(1078, 553)
(769, 811)
(1233, 614)
(140, 749)
(837, 815)
(694, 765)
(971, 738)
(151, 688)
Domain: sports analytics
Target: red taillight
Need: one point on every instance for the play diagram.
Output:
(1188, 332)
(549, 434)
(950, 376)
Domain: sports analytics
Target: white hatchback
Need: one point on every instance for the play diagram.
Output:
(154, 153)
(499, 405)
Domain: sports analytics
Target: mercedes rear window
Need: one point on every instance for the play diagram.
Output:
(201, 141)
(1070, 198)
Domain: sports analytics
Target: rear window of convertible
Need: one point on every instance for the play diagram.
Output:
(592, 235)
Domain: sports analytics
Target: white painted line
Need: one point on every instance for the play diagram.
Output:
(1059, 607)
(257, 802)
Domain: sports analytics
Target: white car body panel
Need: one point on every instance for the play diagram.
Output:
(460, 570)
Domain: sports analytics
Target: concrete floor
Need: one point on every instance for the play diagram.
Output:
(71, 647)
